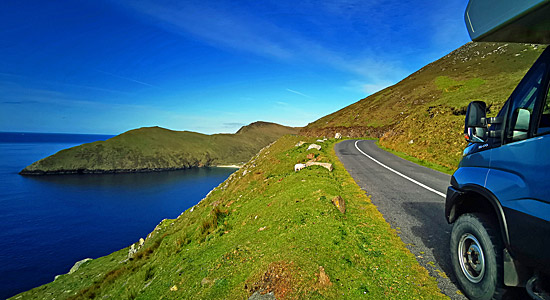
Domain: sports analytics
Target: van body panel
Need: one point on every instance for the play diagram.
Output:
(520, 176)
(529, 239)
(465, 176)
(520, 179)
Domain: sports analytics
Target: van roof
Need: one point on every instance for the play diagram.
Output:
(526, 21)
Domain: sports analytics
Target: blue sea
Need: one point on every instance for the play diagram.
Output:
(48, 223)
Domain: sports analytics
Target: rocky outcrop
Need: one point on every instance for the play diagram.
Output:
(134, 248)
(339, 203)
(75, 267)
(298, 167)
(31, 172)
(314, 146)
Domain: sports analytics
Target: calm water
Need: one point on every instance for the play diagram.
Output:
(48, 223)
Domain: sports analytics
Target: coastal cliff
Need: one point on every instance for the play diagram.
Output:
(157, 149)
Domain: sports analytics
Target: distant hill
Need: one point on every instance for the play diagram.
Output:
(423, 115)
(156, 149)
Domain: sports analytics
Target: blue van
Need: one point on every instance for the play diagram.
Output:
(499, 198)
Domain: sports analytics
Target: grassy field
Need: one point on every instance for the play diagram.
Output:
(265, 228)
(155, 148)
(423, 115)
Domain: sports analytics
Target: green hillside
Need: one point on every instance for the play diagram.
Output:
(155, 148)
(423, 115)
(266, 228)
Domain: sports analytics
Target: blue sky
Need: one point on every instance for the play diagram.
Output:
(208, 66)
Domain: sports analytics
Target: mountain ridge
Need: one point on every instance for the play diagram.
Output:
(423, 115)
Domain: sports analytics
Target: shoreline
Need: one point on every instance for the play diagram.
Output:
(229, 166)
(25, 172)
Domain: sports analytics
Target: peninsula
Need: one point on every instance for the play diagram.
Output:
(157, 149)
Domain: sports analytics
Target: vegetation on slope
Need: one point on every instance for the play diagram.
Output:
(423, 115)
(265, 228)
(155, 148)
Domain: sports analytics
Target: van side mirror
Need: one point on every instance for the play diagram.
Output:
(521, 121)
(475, 127)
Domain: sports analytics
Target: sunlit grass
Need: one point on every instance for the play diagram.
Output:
(266, 227)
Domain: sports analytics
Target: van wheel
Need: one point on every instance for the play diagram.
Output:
(476, 254)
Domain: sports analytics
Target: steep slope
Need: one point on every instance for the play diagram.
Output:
(155, 148)
(423, 115)
(266, 228)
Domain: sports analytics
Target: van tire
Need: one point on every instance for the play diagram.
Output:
(476, 255)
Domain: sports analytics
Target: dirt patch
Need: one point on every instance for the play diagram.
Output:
(277, 279)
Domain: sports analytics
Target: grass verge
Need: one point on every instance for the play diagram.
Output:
(266, 228)
(418, 161)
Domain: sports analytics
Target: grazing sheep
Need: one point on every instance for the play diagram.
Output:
(298, 167)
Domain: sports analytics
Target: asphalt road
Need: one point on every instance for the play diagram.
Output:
(414, 206)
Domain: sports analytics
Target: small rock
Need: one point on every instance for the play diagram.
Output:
(339, 203)
(338, 135)
(258, 296)
(314, 146)
(141, 242)
(321, 141)
(132, 251)
(411, 141)
(300, 143)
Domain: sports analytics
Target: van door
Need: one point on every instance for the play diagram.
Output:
(519, 174)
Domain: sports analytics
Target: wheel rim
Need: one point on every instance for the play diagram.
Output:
(471, 257)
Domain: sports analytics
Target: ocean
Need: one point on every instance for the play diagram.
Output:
(48, 223)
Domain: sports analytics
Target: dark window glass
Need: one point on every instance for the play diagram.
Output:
(544, 123)
(520, 114)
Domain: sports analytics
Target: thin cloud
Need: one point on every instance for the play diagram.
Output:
(233, 125)
(216, 26)
(299, 93)
(223, 26)
(126, 78)
(51, 98)
(240, 27)
(16, 84)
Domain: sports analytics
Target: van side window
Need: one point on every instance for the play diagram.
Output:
(523, 104)
(544, 123)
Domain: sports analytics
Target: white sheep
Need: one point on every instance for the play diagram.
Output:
(298, 167)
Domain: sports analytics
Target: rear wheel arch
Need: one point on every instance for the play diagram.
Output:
(476, 199)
